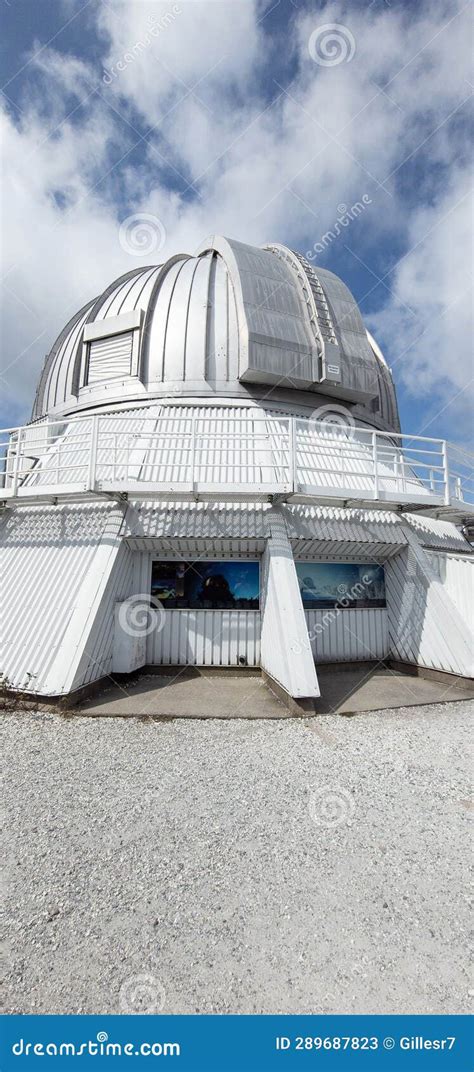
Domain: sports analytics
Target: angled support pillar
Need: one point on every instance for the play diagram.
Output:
(285, 648)
(426, 628)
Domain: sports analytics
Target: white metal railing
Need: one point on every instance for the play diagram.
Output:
(241, 456)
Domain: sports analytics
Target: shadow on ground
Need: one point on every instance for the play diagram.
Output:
(189, 692)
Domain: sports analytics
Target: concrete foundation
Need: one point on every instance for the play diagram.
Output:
(203, 693)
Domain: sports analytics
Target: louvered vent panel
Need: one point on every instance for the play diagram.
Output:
(110, 358)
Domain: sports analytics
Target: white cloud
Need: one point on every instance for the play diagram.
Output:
(265, 162)
(428, 320)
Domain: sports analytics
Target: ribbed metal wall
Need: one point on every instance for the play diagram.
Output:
(97, 659)
(46, 555)
(336, 523)
(437, 534)
(206, 638)
(231, 315)
(51, 579)
(328, 550)
(457, 575)
(425, 626)
(59, 381)
(352, 635)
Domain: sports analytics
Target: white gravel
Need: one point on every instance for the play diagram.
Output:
(238, 866)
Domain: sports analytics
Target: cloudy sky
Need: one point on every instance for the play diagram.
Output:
(259, 120)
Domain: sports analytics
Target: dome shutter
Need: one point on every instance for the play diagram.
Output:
(110, 358)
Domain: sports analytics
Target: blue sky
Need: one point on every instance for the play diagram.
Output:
(253, 120)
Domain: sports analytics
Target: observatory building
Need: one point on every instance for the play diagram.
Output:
(214, 475)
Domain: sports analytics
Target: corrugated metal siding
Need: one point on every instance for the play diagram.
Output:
(69, 454)
(327, 527)
(131, 292)
(203, 549)
(192, 332)
(198, 309)
(97, 659)
(46, 554)
(328, 550)
(188, 521)
(351, 635)
(425, 627)
(432, 532)
(60, 382)
(335, 461)
(335, 523)
(206, 638)
(456, 572)
(233, 444)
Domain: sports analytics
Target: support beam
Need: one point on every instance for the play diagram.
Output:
(285, 649)
(425, 627)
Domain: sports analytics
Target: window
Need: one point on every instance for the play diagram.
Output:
(206, 585)
(341, 584)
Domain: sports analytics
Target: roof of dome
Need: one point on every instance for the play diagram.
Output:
(232, 320)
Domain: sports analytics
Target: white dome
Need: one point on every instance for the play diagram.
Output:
(232, 321)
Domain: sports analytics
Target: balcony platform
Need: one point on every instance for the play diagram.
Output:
(247, 457)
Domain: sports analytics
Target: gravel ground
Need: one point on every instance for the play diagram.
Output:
(296, 866)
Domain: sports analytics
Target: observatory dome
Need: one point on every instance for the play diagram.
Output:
(232, 321)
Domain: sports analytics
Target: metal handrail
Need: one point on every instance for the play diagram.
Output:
(282, 456)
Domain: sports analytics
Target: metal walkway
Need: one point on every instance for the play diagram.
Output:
(248, 457)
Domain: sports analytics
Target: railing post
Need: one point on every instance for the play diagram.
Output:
(446, 472)
(16, 466)
(376, 473)
(192, 460)
(292, 454)
(93, 452)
